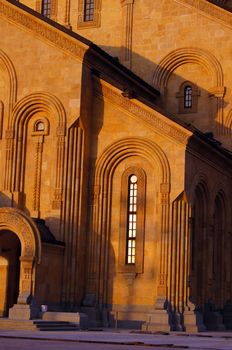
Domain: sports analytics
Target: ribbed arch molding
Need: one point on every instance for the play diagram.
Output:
(129, 147)
(8, 66)
(183, 56)
(38, 102)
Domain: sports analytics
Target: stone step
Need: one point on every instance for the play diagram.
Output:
(39, 325)
(57, 329)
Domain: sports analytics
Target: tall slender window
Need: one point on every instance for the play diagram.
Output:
(46, 8)
(89, 10)
(188, 97)
(132, 219)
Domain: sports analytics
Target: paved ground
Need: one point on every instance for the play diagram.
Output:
(112, 340)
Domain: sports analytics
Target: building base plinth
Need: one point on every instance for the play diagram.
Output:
(193, 322)
(23, 312)
(158, 320)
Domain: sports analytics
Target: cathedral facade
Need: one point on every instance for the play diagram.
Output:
(115, 153)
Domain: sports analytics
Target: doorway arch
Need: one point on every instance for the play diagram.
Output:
(16, 221)
(10, 251)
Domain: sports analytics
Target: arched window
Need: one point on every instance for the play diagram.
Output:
(89, 10)
(132, 216)
(188, 97)
(132, 219)
(46, 8)
(39, 126)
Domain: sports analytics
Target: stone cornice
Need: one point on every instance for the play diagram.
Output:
(144, 113)
(209, 10)
(45, 31)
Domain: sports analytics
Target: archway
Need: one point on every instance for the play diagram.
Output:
(10, 252)
(14, 222)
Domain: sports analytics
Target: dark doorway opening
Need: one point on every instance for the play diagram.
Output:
(10, 252)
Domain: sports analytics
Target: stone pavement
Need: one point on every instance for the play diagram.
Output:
(119, 339)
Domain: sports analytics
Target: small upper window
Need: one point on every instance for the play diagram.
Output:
(188, 97)
(89, 10)
(39, 126)
(46, 8)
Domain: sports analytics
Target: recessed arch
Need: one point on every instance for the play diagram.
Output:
(185, 55)
(200, 179)
(38, 102)
(228, 123)
(133, 146)
(18, 222)
(43, 103)
(9, 68)
(106, 165)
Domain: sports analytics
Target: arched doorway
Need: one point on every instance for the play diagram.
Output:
(10, 251)
(24, 236)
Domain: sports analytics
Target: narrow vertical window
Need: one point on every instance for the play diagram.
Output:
(188, 97)
(89, 10)
(132, 219)
(46, 8)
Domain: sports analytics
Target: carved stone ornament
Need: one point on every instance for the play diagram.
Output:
(150, 117)
(16, 221)
(57, 38)
(207, 9)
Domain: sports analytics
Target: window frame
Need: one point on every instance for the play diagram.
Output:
(181, 96)
(48, 4)
(123, 266)
(96, 19)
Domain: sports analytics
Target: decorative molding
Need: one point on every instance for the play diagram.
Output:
(209, 10)
(127, 28)
(228, 123)
(15, 153)
(150, 117)
(55, 37)
(8, 66)
(18, 222)
(1, 118)
(178, 57)
(100, 212)
(72, 214)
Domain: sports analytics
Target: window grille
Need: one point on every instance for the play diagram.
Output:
(89, 10)
(188, 97)
(132, 219)
(46, 8)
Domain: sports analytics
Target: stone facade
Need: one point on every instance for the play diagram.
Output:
(75, 127)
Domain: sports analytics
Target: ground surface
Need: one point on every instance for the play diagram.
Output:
(112, 340)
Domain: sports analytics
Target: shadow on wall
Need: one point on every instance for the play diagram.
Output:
(207, 114)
